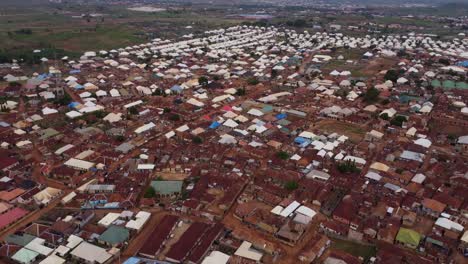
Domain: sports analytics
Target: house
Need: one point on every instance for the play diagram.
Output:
(462, 145)
(89, 253)
(314, 248)
(432, 207)
(408, 238)
(114, 235)
(167, 188)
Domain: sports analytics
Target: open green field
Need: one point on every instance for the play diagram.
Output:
(63, 27)
(354, 249)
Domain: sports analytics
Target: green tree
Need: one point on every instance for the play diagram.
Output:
(203, 81)
(149, 192)
(371, 95)
(282, 155)
(133, 110)
(398, 121)
(253, 81)
(392, 75)
(348, 167)
(197, 140)
(291, 185)
(174, 117)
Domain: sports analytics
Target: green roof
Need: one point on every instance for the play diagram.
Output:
(436, 83)
(408, 236)
(448, 84)
(167, 187)
(20, 240)
(25, 255)
(115, 235)
(462, 85)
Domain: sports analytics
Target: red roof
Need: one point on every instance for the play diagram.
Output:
(11, 216)
(158, 236)
(187, 241)
(6, 162)
(207, 240)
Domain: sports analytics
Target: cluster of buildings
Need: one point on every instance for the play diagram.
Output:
(246, 144)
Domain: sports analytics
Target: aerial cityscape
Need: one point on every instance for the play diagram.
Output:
(216, 132)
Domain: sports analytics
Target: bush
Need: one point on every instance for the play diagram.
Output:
(197, 140)
(174, 117)
(291, 185)
(348, 167)
(392, 75)
(398, 121)
(203, 81)
(149, 192)
(253, 81)
(371, 95)
(282, 155)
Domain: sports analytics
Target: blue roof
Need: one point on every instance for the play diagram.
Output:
(132, 260)
(281, 116)
(214, 125)
(176, 88)
(463, 63)
(4, 124)
(78, 87)
(75, 71)
(73, 104)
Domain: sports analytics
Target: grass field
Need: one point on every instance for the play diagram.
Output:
(354, 249)
(354, 132)
(23, 29)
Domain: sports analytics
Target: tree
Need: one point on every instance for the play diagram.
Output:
(240, 91)
(174, 117)
(203, 81)
(197, 140)
(291, 185)
(133, 110)
(398, 121)
(149, 192)
(392, 75)
(274, 73)
(348, 167)
(253, 81)
(282, 155)
(371, 95)
(385, 116)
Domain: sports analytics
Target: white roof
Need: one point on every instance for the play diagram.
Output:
(63, 149)
(423, 142)
(307, 134)
(182, 128)
(146, 166)
(108, 219)
(73, 241)
(141, 218)
(449, 224)
(145, 127)
(306, 211)
(37, 245)
(53, 259)
(290, 209)
(81, 164)
(133, 104)
(255, 112)
(91, 253)
(169, 134)
(216, 257)
(374, 176)
(230, 123)
(418, 178)
(277, 210)
(246, 251)
(356, 159)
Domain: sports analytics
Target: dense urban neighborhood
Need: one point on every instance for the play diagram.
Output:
(242, 144)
